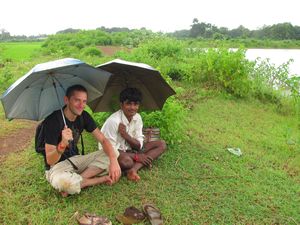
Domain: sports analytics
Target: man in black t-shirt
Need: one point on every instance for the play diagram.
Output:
(62, 174)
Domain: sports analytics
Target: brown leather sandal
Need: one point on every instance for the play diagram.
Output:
(131, 215)
(92, 219)
(153, 214)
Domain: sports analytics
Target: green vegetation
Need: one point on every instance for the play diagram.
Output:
(18, 51)
(245, 43)
(222, 101)
(74, 44)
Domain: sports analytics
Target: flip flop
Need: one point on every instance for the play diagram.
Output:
(153, 214)
(131, 215)
(92, 219)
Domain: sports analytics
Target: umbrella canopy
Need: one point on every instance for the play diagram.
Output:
(39, 92)
(149, 81)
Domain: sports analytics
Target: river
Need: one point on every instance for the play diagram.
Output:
(278, 57)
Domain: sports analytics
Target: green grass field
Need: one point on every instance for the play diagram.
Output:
(18, 51)
(195, 182)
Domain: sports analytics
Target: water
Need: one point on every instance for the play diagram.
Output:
(278, 57)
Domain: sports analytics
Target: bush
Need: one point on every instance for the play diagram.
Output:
(92, 51)
(101, 117)
(66, 43)
(223, 69)
(175, 69)
(6, 79)
(270, 82)
(169, 120)
(159, 49)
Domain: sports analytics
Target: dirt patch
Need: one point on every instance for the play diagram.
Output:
(111, 50)
(17, 141)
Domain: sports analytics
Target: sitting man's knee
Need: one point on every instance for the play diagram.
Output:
(67, 182)
(125, 162)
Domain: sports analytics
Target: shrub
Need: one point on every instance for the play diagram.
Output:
(6, 79)
(223, 69)
(270, 82)
(164, 48)
(100, 117)
(92, 51)
(169, 120)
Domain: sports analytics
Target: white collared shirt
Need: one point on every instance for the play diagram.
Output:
(134, 128)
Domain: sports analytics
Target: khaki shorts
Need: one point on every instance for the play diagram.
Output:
(63, 177)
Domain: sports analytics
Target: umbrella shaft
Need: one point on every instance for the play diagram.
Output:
(62, 113)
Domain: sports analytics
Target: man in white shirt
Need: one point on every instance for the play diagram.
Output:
(124, 131)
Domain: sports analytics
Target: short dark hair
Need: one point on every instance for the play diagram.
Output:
(131, 95)
(77, 87)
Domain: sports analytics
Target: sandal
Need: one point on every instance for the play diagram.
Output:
(153, 214)
(131, 215)
(92, 219)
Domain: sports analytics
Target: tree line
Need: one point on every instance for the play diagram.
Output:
(280, 31)
(6, 36)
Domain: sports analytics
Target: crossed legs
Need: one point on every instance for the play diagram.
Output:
(152, 151)
(66, 180)
(90, 177)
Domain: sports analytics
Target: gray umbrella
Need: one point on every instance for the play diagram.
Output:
(39, 92)
(154, 88)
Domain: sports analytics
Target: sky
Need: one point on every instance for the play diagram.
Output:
(33, 17)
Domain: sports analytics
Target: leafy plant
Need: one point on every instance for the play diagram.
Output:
(92, 51)
(169, 120)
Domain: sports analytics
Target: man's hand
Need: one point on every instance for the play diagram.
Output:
(122, 130)
(114, 170)
(144, 159)
(66, 135)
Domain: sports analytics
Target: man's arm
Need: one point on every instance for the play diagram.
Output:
(134, 143)
(114, 167)
(53, 152)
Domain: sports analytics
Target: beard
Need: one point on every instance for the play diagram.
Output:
(74, 112)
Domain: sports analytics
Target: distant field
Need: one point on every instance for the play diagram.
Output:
(18, 50)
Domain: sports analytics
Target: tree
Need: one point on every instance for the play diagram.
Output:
(69, 30)
(240, 32)
(4, 35)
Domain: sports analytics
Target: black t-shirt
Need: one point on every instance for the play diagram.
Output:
(54, 125)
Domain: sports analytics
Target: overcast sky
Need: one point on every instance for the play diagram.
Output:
(33, 17)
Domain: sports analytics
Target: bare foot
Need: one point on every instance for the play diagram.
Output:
(87, 182)
(107, 180)
(132, 175)
(64, 194)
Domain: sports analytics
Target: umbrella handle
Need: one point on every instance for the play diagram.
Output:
(64, 119)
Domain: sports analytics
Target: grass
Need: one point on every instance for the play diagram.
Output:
(7, 127)
(196, 182)
(14, 62)
(18, 51)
